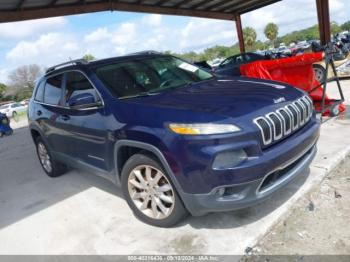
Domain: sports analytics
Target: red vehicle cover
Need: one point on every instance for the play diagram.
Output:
(296, 71)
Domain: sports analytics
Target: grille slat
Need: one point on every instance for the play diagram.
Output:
(265, 128)
(287, 120)
(277, 125)
(295, 116)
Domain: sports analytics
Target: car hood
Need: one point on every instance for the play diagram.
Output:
(211, 101)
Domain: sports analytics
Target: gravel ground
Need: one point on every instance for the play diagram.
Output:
(317, 225)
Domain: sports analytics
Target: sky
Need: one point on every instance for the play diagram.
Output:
(105, 34)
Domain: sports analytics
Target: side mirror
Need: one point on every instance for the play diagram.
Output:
(83, 100)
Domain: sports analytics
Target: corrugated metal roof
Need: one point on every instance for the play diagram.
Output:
(16, 10)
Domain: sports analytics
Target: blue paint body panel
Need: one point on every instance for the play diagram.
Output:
(90, 136)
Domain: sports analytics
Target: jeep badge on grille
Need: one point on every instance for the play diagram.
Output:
(279, 100)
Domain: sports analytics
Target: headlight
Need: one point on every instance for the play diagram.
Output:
(203, 129)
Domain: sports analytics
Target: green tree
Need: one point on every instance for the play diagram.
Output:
(346, 26)
(335, 28)
(89, 57)
(271, 32)
(3, 89)
(249, 35)
(22, 81)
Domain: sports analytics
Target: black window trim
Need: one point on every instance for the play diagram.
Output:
(63, 73)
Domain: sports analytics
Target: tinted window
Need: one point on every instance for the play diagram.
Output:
(149, 75)
(53, 88)
(254, 57)
(239, 59)
(16, 105)
(39, 96)
(228, 61)
(76, 84)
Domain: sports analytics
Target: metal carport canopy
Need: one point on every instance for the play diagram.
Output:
(17, 10)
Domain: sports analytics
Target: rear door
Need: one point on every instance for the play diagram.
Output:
(48, 106)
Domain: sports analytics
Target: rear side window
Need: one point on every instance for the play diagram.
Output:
(39, 95)
(53, 90)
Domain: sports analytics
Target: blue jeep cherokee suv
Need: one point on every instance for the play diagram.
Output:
(176, 138)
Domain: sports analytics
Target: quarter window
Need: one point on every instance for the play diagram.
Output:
(39, 96)
(53, 90)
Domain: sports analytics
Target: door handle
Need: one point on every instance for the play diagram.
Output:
(65, 117)
(39, 113)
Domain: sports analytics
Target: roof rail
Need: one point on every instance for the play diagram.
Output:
(72, 62)
(147, 52)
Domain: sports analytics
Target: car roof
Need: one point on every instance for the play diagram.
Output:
(80, 63)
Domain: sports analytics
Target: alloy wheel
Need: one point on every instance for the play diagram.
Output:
(151, 192)
(44, 157)
(319, 74)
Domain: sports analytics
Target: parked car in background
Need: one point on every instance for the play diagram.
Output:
(204, 65)
(176, 138)
(284, 51)
(12, 109)
(340, 65)
(216, 62)
(303, 44)
(25, 102)
(230, 66)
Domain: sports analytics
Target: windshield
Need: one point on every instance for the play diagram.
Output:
(149, 76)
(4, 107)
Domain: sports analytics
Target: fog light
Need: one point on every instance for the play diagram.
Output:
(221, 191)
(229, 159)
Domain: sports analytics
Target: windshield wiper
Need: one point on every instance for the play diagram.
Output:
(142, 94)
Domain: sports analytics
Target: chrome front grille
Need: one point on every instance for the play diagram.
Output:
(276, 125)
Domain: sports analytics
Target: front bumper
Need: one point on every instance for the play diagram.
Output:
(247, 194)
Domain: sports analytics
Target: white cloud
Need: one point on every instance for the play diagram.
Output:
(3, 75)
(98, 35)
(152, 20)
(50, 41)
(125, 34)
(200, 33)
(292, 15)
(23, 29)
(289, 15)
(145, 35)
(47, 49)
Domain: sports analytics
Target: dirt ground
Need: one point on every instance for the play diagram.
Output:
(319, 224)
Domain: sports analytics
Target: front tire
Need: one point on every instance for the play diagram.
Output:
(51, 167)
(320, 73)
(150, 193)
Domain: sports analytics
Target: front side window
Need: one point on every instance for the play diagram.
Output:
(78, 88)
(53, 90)
(149, 75)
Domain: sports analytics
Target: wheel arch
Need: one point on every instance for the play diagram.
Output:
(36, 132)
(142, 147)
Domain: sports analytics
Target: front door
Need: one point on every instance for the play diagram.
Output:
(85, 126)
